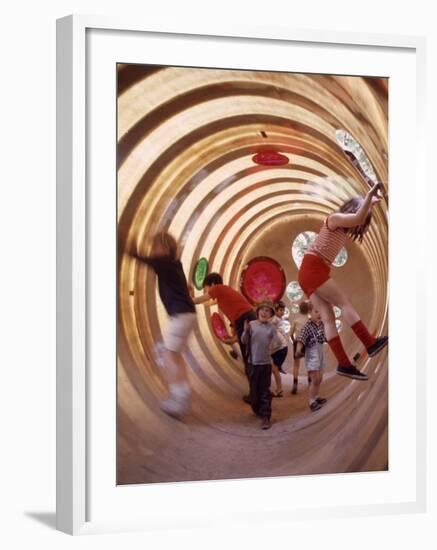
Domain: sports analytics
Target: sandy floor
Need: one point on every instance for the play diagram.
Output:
(222, 439)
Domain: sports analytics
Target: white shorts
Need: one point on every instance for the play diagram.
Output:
(314, 357)
(178, 329)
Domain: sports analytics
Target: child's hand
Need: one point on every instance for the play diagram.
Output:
(374, 190)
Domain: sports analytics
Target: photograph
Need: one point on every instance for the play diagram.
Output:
(252, 273)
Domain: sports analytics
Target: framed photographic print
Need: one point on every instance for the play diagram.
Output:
(232, 207)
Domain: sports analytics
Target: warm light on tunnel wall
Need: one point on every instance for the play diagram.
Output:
(187, 138)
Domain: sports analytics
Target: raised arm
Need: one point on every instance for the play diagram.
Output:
(149, 260)
(203, 299)
(339, 219)
(133, 252)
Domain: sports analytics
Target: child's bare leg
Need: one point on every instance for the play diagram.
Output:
(175, 367)
(277, 377)
(332, 294)
(313, 388)
(321, 400)
(318, 383)
(332, 337)
(178, 401)
(296, 365)
(327, 315)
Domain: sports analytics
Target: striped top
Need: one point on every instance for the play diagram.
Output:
(328, 243)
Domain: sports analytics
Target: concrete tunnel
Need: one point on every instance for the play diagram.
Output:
(186, 140)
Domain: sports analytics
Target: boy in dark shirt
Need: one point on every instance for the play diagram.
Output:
(175, 296)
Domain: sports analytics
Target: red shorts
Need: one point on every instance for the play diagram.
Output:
(313, 273)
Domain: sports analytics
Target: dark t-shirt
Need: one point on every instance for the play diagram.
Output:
(172, 284)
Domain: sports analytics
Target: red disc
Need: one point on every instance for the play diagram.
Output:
(263, 279)
(218, 326)
(270, 158)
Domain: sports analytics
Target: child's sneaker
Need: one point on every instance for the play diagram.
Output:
(315, 406)
(379, 344)
(265, 423)
(174, 408)
(321, 400)
(294, 388)
(351, 372)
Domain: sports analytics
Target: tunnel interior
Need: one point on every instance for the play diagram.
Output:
(186, 142)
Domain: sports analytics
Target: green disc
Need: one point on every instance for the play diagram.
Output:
(200, 272)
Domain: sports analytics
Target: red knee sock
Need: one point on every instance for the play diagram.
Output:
(363, 334)
(338, 350)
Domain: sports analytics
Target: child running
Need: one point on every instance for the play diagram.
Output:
(175, 296)
(279, 349)
(349, 222)
(258, 336)
(299, 321)
(312, 336)
(234, 305)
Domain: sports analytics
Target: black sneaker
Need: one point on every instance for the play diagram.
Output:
(265, 423)
(315, 406)
(351, 372)
(246, 399)
(321, 400)
(380, 343)
(294, 388)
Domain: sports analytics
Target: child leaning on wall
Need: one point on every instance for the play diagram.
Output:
(175, 296)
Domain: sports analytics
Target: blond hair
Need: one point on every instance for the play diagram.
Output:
(167, 242)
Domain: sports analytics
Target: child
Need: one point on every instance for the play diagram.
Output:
(350, 221)
(234, 305)
(312, 336)
(258, 336)
(175, 296)
(298, 322)
(279, 348)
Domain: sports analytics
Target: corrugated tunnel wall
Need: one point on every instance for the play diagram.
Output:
(186, 138)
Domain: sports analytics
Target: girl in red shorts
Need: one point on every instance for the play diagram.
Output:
(349, 222)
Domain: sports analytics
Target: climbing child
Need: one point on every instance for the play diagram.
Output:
(349, 222)
(258, 336)
(175, 296)
(312, 337)
(279, 348)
